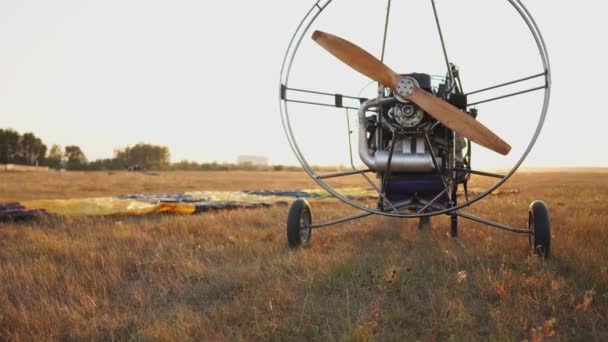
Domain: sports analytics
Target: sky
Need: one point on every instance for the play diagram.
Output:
(202, 77)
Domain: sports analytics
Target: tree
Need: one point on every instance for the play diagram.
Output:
(22, 149)
(3, 148)
(41, 157)
(75, 158)
(145, 155)
(9, 146)
(32, 149)
(55, 157)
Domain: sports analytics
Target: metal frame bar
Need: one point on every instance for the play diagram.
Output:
(508, 95)
(286, 68)
(491, 223)
(464, 215)
(338, 98)
(319, 104)
(434, 158)
(360, 99)
(343, 174)
(380, 193)
(445, 51)
(352, 217)
(506, 84)
(288, 59)
(341, 220)
(482, 173)
(386, 21)
(381, 87)
(432, 202)
(388, 171)
(349, 133)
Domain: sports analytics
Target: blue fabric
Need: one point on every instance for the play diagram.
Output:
(400, 188)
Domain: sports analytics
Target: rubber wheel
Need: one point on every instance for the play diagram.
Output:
(299, 220)
(540, 228)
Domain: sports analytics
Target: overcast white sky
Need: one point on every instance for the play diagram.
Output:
(202, 77)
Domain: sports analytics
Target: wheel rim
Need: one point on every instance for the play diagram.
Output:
(531, 234)
(304, 225)
(288, 60)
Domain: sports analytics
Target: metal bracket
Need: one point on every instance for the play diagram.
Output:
(338, 102)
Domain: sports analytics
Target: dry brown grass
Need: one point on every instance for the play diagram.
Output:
(230, 275)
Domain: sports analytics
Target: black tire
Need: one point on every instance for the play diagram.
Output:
(540, 228)
(299, 220)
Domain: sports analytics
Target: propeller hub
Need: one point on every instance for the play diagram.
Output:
(405, 87)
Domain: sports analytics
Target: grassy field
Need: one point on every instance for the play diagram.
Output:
(230, 275)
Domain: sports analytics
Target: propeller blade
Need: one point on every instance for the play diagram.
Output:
(357, 58)
(458, 121)
(450, 116)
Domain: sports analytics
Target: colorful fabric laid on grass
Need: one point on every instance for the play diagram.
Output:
(11, 212)
(182, 203)
(104, 206)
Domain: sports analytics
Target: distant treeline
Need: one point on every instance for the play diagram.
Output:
(139, 157)
(27, 149)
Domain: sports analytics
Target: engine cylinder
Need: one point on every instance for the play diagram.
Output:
(404, 162)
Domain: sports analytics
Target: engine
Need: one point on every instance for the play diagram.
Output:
(403, 127)
(405, 115)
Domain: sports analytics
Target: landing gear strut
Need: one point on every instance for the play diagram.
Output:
(424, 223)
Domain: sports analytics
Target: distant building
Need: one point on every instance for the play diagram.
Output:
(253, 160)
(23, 168)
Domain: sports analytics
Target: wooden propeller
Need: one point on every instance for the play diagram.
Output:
(450, 116)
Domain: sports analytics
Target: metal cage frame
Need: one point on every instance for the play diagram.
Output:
(339, 102)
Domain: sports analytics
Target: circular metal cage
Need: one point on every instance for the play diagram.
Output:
(288, 61)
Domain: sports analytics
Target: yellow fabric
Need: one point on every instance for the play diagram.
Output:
(107, 206)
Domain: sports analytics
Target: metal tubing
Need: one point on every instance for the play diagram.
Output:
(320, 104)
(352, 163)
(323, 93)
(506, 84)
(445, 52)
(354, 217)
(288, 59)
(482, 173)
(387, 172)
(508, 95)
(434, 199)
(341, 220)
(434, 158)
(343, 174)
(491, 223)
(364, 154)
(380, 160)
(388, 15)
(350, 141)
(380, 193)
(432, 205)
